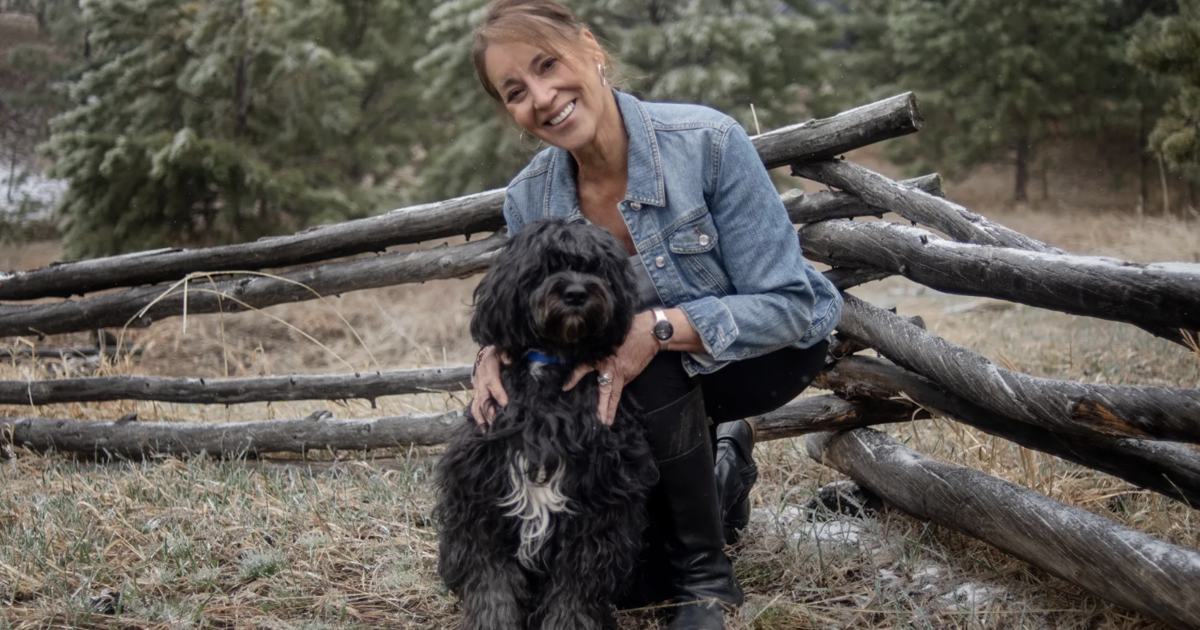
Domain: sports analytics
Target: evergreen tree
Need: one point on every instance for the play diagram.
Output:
(1169, 48)
(228, 120)
(728, 54)
(32, 61)
(996, 78)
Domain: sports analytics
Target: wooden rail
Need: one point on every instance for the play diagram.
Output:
(1156, 296)
(232, 391)
(1104, 558)
(1164, 413)
(131, 438)
(816, 139)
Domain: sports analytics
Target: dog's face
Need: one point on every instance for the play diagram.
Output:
(561, 288)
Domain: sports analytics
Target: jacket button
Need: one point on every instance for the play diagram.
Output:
(636, 206)
(704, 240)
(660, 262)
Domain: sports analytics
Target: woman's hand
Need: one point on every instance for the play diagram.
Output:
(631, 358)
(487, 386)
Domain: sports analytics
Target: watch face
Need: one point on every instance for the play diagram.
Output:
(663, 330)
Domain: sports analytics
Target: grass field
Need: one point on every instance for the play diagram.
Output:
(285, 543)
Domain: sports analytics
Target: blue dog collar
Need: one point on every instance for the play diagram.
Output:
(538, 357)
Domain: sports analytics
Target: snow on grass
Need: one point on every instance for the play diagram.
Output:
(30, 191)
(796, 523)
(971, 596)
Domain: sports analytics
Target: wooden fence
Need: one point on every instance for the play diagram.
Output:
(1131, 432)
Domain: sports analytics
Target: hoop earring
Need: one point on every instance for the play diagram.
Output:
(526, 146)
(600, 70)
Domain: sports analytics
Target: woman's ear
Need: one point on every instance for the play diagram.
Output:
(593, 47)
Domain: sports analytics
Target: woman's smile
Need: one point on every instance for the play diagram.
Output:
(562, 115)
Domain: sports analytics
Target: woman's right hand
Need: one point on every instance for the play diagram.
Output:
(487, 386)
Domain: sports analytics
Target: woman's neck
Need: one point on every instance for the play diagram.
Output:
(607, 156)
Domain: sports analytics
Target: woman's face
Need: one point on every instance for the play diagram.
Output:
(560, 102)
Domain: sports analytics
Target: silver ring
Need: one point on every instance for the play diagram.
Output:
(605, 379)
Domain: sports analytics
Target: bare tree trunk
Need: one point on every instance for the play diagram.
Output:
(1024, 155)
(1166, 192)
(242, 96)
(1143, 181)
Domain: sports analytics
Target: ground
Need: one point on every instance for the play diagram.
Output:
(285, 543)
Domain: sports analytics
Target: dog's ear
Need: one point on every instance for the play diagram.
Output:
(500, 317)
(496, 303)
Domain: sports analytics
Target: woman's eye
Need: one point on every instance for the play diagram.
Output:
(513, 95)
(549, 63)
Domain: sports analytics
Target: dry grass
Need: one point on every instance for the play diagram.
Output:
(296, 544)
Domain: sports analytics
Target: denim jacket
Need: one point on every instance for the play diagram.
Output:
(708, 225)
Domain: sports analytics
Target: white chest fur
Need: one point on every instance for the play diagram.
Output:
(534, 502)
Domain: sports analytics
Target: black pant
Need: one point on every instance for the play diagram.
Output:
(739, 390)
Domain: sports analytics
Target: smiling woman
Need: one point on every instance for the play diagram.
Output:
(732, 320)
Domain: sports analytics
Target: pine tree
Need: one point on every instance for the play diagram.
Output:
(722, 53)
(1168, 47)
(996, 78)
(212, 122)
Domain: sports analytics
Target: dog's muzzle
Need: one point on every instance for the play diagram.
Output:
(571, 305)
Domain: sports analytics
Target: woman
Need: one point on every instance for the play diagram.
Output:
(735, 321)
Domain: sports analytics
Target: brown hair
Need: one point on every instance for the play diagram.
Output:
(529, 21)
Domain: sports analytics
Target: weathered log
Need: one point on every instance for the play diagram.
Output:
(1104, 558)
(23, 352)
(816, 139)
(142, 305)
(130, 438)
(849, 277)
(462, 215)
(823, 139)
(831, 413)
(1163, 413)
(1153, 295)
(232, 391)
(320, 431)
(1164, 467)
(827, 204)
(915, 205)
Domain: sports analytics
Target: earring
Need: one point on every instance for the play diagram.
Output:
(600, 69)
(526, 146)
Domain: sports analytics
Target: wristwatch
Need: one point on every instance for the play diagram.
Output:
(663, 330)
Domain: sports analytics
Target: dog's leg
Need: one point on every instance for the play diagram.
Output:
(494, 598)
(571, 606)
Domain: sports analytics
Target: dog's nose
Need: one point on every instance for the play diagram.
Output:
(575, 294)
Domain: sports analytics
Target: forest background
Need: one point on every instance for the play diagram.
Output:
(184, 122)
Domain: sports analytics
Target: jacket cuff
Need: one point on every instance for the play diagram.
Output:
(714, 322)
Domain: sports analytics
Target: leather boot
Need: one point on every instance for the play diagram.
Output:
(736, 473)
(689, 516)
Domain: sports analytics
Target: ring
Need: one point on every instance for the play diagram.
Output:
(605, 379)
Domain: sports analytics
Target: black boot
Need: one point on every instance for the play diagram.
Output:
(736, 473)
(689, 516)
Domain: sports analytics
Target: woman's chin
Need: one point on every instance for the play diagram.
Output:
(569, 136)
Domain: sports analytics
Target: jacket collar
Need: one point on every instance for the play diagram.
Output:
(646, 184)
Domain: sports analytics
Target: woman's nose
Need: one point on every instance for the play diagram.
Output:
(543, 95)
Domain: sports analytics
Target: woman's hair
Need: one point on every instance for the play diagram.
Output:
(543, 23)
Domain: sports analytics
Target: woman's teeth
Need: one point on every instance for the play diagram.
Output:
(563, 116)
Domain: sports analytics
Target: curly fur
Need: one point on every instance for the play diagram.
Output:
(540, 516)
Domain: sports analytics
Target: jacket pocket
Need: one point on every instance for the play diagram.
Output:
(694, 246)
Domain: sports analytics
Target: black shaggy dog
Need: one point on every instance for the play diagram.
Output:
(540, 515)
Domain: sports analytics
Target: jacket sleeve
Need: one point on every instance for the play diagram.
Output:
(779, 299)
(512, 218)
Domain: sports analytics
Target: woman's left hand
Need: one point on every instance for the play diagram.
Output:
(631, 358)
